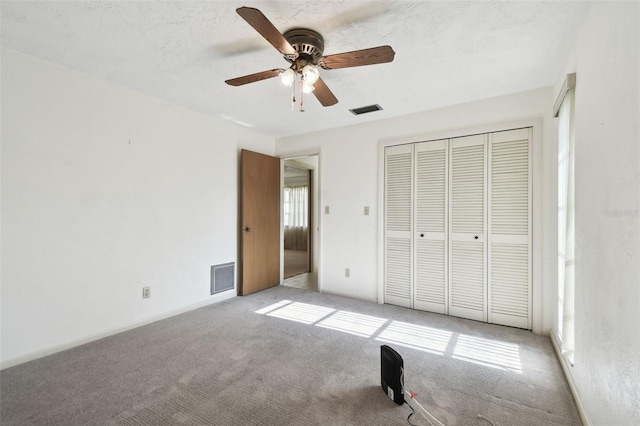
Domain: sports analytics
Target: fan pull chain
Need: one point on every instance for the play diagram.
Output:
(293, 97)
(301, 95)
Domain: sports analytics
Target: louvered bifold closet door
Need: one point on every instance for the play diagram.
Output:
(467, 225)
(398, 247)
(430, 231)
(509, 241)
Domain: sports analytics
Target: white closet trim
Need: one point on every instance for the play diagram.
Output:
(537, 201)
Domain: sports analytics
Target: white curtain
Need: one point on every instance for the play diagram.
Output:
(296, 217)
(566, 227)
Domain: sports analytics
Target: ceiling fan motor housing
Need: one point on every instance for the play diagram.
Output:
(308, 44)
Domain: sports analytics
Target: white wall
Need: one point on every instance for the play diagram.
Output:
(105, 191)
(606, 60)
(349, 172)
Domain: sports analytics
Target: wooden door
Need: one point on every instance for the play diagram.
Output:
(260, 222)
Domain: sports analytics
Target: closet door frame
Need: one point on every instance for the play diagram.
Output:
(542, 270)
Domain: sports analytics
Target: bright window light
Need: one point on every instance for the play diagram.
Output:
(478, 350)
(353, 323)
(273, 307)
(418, 337)
(301, 312)
(487, 352)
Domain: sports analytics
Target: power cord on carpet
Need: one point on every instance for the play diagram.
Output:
(411, 414)
(427, 415)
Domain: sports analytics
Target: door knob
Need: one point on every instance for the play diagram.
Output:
(247, 229)
(476, 237)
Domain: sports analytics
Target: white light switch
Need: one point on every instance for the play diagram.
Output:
(366, 210)
(326, 209)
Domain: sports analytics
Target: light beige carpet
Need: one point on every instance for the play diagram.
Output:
(286, 356)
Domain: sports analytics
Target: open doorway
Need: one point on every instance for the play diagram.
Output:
(299, 218)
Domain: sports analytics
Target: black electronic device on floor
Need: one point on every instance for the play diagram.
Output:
(392, 374)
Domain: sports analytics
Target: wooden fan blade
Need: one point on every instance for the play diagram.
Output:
(357, 58)
(323, 94)
(266, 29)
(251, 78)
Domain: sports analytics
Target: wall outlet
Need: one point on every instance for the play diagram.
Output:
(326, 209)
(146, 292)
(366, 210)
(347, 272)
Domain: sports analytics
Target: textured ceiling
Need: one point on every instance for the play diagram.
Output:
(446, 52)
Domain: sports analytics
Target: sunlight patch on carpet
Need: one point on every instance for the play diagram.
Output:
(427, 339)
(273, 307)
(301, 312)
(487, 352)
(353, 323)
(478, 350)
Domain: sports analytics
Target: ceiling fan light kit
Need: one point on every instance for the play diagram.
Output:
(303, 48)
(310, 73)
(288, 77)
(307, 87)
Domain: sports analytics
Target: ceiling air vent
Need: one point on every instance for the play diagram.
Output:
(366, 109)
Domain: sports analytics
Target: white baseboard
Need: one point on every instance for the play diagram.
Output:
(68, 345)
(566, 368)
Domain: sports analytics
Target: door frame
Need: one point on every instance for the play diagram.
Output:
(315, 233)
(537, 201)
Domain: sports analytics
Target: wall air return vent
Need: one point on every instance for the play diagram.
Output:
(222, 277)
(366, 109)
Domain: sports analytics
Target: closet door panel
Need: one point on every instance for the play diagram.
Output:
(458, 227)
(398, 242)
(467, 225)
(430, 234)
(509, 227)
(467, 292)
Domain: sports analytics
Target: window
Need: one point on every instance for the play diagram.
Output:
(296, 217)
(566, 214)
(296, 206)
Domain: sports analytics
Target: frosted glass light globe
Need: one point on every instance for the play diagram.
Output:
(310, 74)
(288, 77)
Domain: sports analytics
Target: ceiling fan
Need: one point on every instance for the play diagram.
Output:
(303, 48)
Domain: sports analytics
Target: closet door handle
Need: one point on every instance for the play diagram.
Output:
(422, 235)
(476, 237)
